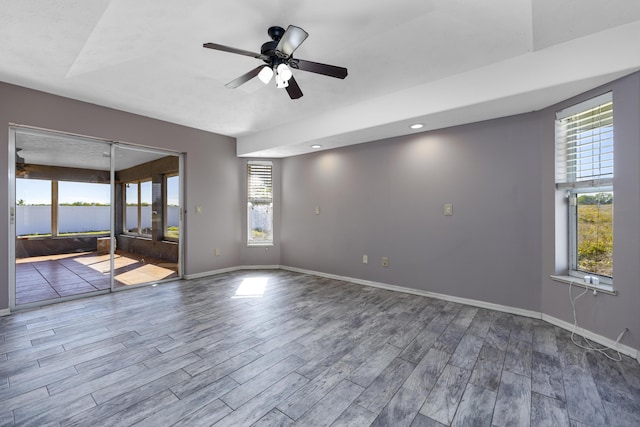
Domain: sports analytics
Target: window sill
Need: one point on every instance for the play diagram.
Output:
(60, 237)
(260, 245)
(574, 281)
(136, 236)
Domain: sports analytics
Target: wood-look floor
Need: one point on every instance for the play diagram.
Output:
(51, 277)
(276, 348)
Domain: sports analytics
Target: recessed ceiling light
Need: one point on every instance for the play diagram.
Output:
(316, 146)
(417, 126)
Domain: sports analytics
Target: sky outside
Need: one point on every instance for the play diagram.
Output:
(38, 192)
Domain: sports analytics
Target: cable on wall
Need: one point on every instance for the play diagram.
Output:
(588, 345)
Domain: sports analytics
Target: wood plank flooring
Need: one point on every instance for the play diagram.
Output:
(51, 277)
(276, 348)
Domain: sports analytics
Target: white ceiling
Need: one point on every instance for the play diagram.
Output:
(440, 62)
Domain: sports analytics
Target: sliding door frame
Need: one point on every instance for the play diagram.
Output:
(11, 225)
(135, 147)
(12, 219)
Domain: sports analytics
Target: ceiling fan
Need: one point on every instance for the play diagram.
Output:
(278, 57)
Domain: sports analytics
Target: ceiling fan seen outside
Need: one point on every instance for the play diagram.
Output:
(278, 57)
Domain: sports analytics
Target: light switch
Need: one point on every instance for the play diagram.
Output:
(317, 210)
(198, 210)
(448, 209)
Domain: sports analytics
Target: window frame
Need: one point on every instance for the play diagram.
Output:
(125, 230)
(569, 181)
(251, 200)
(165, 207)
(572, 196)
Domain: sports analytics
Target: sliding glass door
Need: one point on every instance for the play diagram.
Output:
(62, 212)
(148, 215)
(91, 216)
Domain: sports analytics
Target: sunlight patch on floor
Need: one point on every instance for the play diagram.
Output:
(146, 273)
(252, 287)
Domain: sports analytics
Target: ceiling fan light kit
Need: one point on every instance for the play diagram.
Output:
(280, 82)
(284, 72)
(266, 74)
(278, 55)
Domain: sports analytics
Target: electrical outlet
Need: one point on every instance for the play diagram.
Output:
(365, 259)
(385, 261)
(217, 251)
(448, 209)
(317, 210)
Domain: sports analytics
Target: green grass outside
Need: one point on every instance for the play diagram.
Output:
(172, 232)
(595, 239)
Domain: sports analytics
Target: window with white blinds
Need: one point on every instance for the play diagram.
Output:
(259, 203)
(584, 172)
(584, 144)
(260, 180)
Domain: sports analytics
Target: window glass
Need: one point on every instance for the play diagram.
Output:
(138, 211)
(33, 200)
(172, 218)
(594, 233)
(83, 207)
(131, 210)
(145, 207)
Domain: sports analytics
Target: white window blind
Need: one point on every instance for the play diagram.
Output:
(584, 144)
(260, 182)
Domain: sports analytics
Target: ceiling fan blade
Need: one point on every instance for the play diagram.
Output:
(293, 89)
(244, 78)
(290, 41)
(224, 48)
(318, 68)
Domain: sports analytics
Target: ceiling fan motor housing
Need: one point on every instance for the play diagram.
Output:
(275, 33)
(269, 49)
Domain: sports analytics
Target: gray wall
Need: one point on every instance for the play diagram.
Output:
(386, 198)
(211, 169)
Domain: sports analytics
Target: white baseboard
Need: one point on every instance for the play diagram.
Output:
(5, 312)
(445, 297)
(626, 350)
(209, 273)
(229, 270)
(259, 267)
